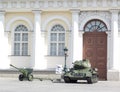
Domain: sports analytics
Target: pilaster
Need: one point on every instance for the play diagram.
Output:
(114, 71)
(76, 39)
(38, 41)
(115, 42)
(4, 61)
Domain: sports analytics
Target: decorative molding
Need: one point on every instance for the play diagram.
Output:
(63, 4)
(68, 30)
(104, 16)
(37, 11)
(116, 12)
(75, 10)
(19, 18)
(119, 22)
(56, 17)
(2, 12)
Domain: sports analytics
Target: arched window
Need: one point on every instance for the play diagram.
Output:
(95, 25)
(21, 41)
(57, 40)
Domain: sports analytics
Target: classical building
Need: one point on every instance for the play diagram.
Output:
(33, 33)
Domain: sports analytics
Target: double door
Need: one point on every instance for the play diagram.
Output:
(95, 49)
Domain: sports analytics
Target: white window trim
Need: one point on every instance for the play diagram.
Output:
(49, 37)
(12, 40)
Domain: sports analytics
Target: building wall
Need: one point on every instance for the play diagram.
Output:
(72, 15)
(12, 20)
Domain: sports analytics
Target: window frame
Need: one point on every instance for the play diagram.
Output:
(98, 24)
(21, 41)
(57, 41)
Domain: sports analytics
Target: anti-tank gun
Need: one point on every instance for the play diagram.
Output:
(81, 70)
(26, 73)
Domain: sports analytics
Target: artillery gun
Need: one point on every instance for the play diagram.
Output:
(81, 70)
(26, 73)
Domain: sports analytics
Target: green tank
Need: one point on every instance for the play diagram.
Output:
(81, 70)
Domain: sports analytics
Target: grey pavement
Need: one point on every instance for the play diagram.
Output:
(14, 85)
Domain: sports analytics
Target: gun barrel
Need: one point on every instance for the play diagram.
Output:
(14, 66)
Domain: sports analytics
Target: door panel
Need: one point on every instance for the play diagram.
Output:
(95, 49)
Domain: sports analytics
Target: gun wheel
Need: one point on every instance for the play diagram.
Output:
(21, 77)
(30, 77)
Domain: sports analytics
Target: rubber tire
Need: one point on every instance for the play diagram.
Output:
(21, 77)
(67, 79)
(30, 77)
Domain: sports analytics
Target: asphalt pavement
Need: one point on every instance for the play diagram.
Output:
(14, 85)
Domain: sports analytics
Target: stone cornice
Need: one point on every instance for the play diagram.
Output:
(115, 10)
(9, 5)
(37, 11)
(75, 10)
(2, 12)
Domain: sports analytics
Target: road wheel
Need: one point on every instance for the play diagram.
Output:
(89, 80)
(67, 79)
(95, 78)
(21, 77)
(30, 77)
(73, 81)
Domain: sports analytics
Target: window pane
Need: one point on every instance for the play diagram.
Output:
(86, 29)
(104, 29)
(57, 36)
(89, 25)
(61, 36)
(98, 22)
(53, 37)
(101, 25)
(57, 28)
(53, 49)
(95, 25)
(17, 37)
(25, 37)
(61, 49)
(21, 28)
(17, 49)
(24, 49)
(20, 36)
(92, 28)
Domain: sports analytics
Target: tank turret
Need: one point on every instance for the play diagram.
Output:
(81, 64)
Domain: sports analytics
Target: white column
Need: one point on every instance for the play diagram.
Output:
(76, 38)
(113, 72)
(109, 65)
(4, 61)
(38, 42)
(115, 42)
(80, 47)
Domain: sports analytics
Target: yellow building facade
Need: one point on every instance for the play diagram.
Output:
(34, 33)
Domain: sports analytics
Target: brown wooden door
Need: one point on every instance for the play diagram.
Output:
(95, 49)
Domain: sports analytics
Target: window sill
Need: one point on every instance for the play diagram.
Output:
(19, 55)
(53, 56)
